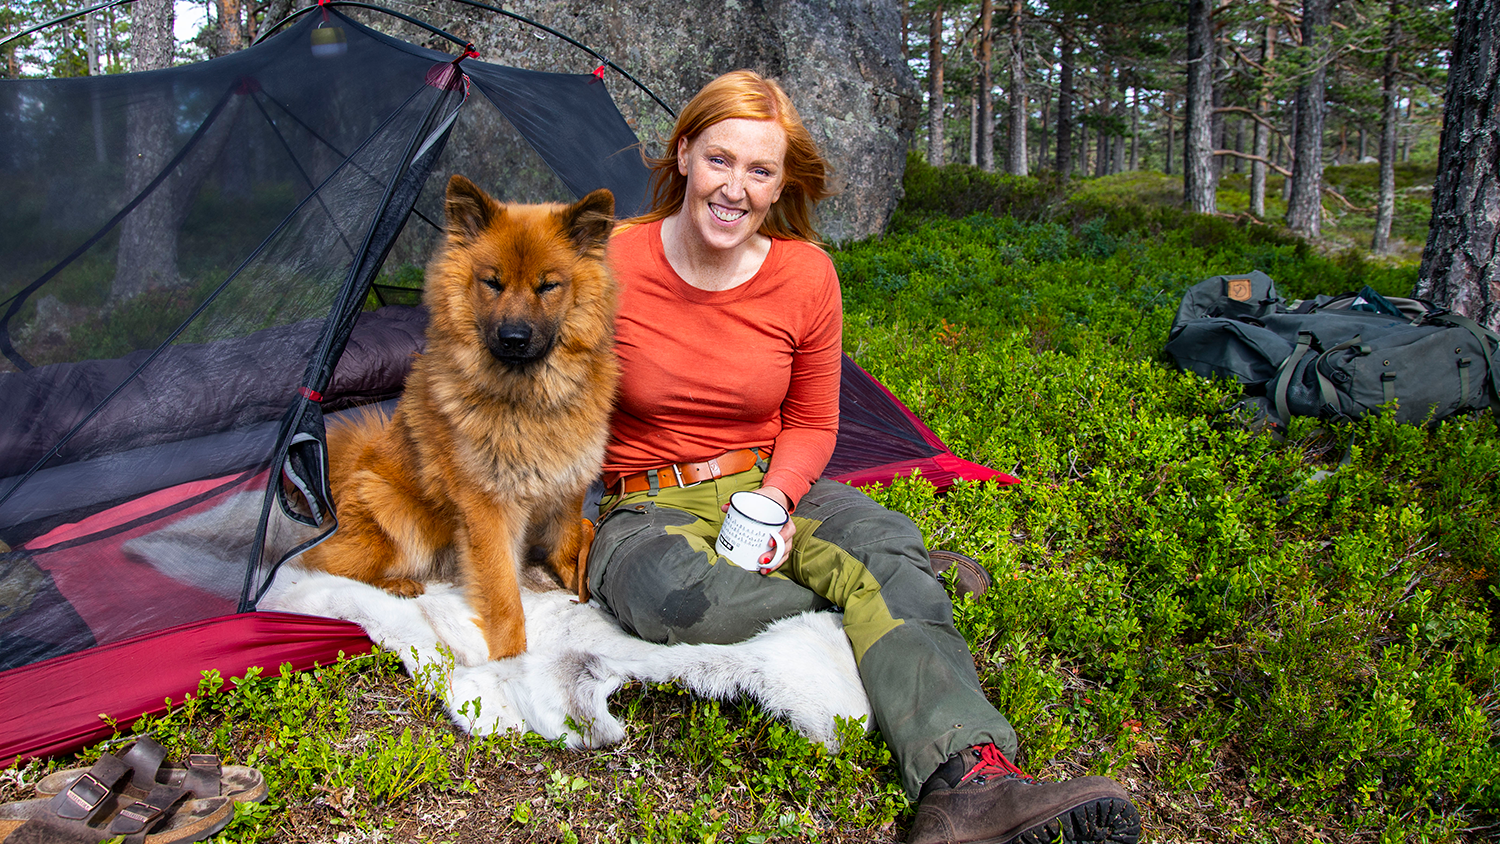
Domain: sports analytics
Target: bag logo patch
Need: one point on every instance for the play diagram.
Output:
(1239, 289)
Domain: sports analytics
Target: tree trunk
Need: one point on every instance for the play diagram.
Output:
(1385, 203)
(1016, 157)
(1117, 159)
(1461, 263)
(1102, 136)
(1216, 133)
(1170, 107)
(974, 125)
(1065, 105)
(1239, 144)
(1304, 211)
(1262, 140)
(1044, 121)
(935, 88)
(147, 256)
(1289, 151)
(1199, 190)
(231, 35)
(986, 87)
(1083, 145)
(1135, 128)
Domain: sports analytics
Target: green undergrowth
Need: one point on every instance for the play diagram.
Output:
(1244, 631)
(1264, 640)
(357, 751)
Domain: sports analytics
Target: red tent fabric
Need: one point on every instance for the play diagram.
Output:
(61, 704)
(880, 439)
(318, 165)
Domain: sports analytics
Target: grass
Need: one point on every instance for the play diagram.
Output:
(1258, 651)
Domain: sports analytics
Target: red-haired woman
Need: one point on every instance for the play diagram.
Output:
(729, 337)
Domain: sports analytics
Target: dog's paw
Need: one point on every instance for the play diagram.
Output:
(456, 625)
(401, 587)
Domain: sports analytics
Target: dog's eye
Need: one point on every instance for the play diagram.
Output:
(546, 286)
(493, 283)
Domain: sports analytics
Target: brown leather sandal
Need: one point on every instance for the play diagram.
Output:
(202, 776)
(970, 578)
(95, 808)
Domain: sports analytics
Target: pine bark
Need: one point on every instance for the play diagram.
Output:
(147, 256)
(1199, 188)
(231, 34)
(935, 140)
(1262, 140)
(1065, 106)
(1385, 202)
(1117, 148)
(1461, 263)
(1304, 212)
(1016, 157)
(986, 87)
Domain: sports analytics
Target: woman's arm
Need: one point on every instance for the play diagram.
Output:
(810, 411)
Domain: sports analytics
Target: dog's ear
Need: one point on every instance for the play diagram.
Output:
(590, 220)
(469, 208)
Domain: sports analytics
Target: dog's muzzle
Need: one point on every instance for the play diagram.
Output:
(518, 344)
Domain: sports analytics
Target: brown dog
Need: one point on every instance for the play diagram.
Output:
(503, 421)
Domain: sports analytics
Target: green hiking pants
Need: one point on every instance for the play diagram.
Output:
(653, 565)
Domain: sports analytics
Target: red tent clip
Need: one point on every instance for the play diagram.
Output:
(310, 394)
(599, 71)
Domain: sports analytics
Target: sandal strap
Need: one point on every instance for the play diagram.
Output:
(203, 773)
(145, 757)
(83, 799)
(139, 818)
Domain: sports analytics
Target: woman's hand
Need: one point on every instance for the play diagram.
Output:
(786, 532)
(787, 529)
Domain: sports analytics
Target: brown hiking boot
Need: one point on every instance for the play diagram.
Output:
(979, 797)
(970, 578)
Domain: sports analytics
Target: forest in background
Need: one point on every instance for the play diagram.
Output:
(1091, 88)
(1263, 644)
(1204, 89)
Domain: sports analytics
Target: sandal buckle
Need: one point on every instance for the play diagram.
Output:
(204, 761)
(135, 817)
(84, 796)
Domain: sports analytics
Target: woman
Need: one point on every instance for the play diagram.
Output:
(729, 338)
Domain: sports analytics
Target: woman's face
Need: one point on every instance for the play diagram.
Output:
(734, 169)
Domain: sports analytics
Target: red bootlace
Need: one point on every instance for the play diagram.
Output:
(992, 763)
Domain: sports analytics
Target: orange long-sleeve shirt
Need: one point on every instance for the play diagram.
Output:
(705, 372)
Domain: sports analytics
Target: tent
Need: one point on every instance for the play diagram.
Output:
(186, 260)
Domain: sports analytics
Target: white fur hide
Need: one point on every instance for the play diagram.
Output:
(800, 668)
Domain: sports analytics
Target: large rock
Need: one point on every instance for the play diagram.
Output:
(840, 60)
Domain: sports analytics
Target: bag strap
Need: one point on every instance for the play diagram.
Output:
(1483, 336)
(1284, 374)
(1327, 391)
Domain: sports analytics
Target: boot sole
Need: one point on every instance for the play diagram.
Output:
(1110, 820)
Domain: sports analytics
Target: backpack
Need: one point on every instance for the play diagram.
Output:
(1335, 356)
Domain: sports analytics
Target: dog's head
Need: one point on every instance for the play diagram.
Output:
(524, 278)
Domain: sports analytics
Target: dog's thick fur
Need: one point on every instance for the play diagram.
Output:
(504, 417)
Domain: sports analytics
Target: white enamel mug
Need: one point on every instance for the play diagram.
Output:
(751, 525)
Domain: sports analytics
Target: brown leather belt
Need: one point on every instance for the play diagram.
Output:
(690, 474)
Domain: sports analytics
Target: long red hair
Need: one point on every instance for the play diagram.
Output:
(748, 95)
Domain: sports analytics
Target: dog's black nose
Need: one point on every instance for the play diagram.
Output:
(512, 339)
(515, 338)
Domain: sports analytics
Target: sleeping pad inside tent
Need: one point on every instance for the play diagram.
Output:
(185, 258)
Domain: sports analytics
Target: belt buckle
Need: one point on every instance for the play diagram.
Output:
(676, 470)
